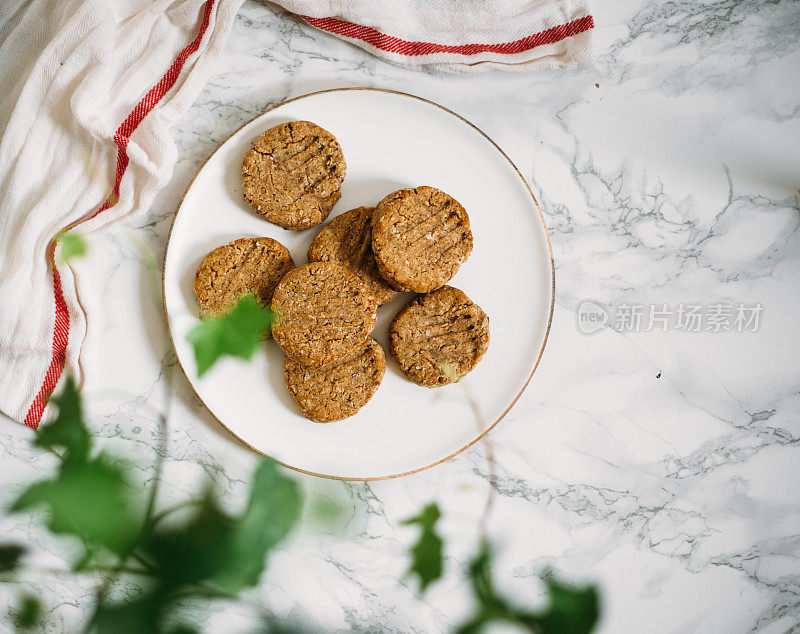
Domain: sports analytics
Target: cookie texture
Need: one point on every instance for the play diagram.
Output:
(247, 265)
(322, 313)
(439, 337)
(347, 240)
(293, 174)
(337, 390)
(420, 237)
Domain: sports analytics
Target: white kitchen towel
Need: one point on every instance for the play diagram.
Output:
(89, 91)
(460, 36)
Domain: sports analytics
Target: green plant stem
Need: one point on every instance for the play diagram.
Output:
(147, 526)
(172, 509)
(490, 461)
(207, 592)
(149, 568)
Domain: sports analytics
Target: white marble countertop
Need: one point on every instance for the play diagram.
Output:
(661, 465)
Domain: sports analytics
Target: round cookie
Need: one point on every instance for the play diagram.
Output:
(293, 174)
(247, 265)
(439, 337)
(347, 240)
(322, 313)
(420, 237)
(338, 390)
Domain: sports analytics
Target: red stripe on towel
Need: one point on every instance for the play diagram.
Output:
(393, 44)
(121, 138)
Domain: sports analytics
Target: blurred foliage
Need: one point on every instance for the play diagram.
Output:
(71, 245)
(10, 555)
(90, 500)
(237, 333)
(569, 610)
(28, 615)
(426, 554)
(209, 553)
(88, 497)
(66, 432)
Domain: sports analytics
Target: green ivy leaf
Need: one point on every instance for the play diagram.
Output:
(193, 551)
(480, 574)
(571, 610)
(90, 500)
(229, 551)
(237, 333)
(490, 607)
(273, 509)
(9, 556)
(137, 615)
(72, 245)
(327, 511)
(28, 614)
(426, 554)
(67, 430)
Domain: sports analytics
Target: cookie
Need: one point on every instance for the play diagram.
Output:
(439, 337)
(322, 313)
(247, 265)
(293, 174)
(347, 240)
(338, 390)
(420, 237)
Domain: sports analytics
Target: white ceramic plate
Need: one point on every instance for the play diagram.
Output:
(390, 141)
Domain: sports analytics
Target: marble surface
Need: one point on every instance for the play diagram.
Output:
(661, 465)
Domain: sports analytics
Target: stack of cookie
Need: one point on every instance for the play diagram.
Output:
(414, 240)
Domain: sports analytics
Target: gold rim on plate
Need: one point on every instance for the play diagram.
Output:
(549, 317)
